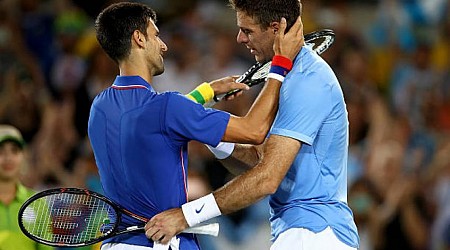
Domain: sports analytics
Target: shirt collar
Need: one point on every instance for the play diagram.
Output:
(131, 82)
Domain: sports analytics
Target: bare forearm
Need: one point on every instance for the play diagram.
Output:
(262, 180)
(253, 127)
(244, 157)
(243, 191)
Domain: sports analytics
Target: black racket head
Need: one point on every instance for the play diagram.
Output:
(321, 39)
(244, 78)
(255, 75)
(68, 217)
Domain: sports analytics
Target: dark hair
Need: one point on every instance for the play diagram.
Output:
(116, 23)
(267, 11)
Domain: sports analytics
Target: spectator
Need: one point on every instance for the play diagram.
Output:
(12, 192)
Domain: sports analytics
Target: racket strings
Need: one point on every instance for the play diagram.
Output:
(68, 218)
(262, 72)
(324, 44)
(321, 41)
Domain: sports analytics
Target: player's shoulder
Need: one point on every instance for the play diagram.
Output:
(179, 102)
(174, 96)
(313, 67)
(308, 60)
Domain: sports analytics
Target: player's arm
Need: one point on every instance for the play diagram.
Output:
(243, 157)
(242, 191)
(262, 180)
(253, 127)
(205, 92)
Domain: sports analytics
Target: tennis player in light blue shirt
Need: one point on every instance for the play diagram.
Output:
(302, 165)
(313, 194)
(305, 159)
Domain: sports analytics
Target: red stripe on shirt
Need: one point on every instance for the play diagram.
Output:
(128, 87)
(184, 174)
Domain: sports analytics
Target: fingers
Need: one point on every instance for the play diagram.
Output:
(233, 84)
(154, 232)
(298, 26)
(282, 28)
(151, 229)
(235, 95)
(238, 85)
(235, 77)
(296, 31)
(164, 226)
(290, 43)
(227, 84)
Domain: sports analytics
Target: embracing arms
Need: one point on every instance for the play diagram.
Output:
(242, 191)
(258, 182)
(253, 127)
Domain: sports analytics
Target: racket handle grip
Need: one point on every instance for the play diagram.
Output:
(215, 100)
(208, 229)
(219, 98)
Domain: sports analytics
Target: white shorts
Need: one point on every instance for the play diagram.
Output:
(303, 239)
(120, 246)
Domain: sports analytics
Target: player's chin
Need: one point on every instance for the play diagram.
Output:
(261, 59)
(159, 71)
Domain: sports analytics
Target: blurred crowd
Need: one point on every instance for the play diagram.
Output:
(392, 58)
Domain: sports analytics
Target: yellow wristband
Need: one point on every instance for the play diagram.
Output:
(202, 94)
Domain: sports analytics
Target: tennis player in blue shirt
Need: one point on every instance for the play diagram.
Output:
(303, 163)
(140, 137)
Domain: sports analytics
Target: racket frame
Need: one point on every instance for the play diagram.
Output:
(206, 229)
(78, 191)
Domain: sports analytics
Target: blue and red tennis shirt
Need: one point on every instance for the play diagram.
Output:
(139, 138)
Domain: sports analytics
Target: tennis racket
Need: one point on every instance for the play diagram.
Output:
(321, 40)
(72, 217)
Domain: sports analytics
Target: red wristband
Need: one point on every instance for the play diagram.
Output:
(282, 61)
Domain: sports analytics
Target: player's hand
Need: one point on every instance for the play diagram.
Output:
(226, 84)
(164, 226)
(289, 44)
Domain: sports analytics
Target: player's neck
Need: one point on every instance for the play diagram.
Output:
(8, 191)
(134, 68)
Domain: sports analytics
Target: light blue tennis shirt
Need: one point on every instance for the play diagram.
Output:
(313, 194)
(140, 138)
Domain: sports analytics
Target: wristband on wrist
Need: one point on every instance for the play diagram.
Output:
(280, 67)
(282, 62)
(202, 94)
(222, 150)
(200, 210)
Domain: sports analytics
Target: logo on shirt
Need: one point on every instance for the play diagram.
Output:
(200, 209)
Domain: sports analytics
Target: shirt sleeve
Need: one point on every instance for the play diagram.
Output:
(186, 120)
(305, 102)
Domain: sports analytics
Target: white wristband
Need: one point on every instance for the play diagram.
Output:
(223, 150)
(200, 210)
(276, 76)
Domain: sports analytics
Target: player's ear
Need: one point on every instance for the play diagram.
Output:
(275, 26)
(138, 38)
